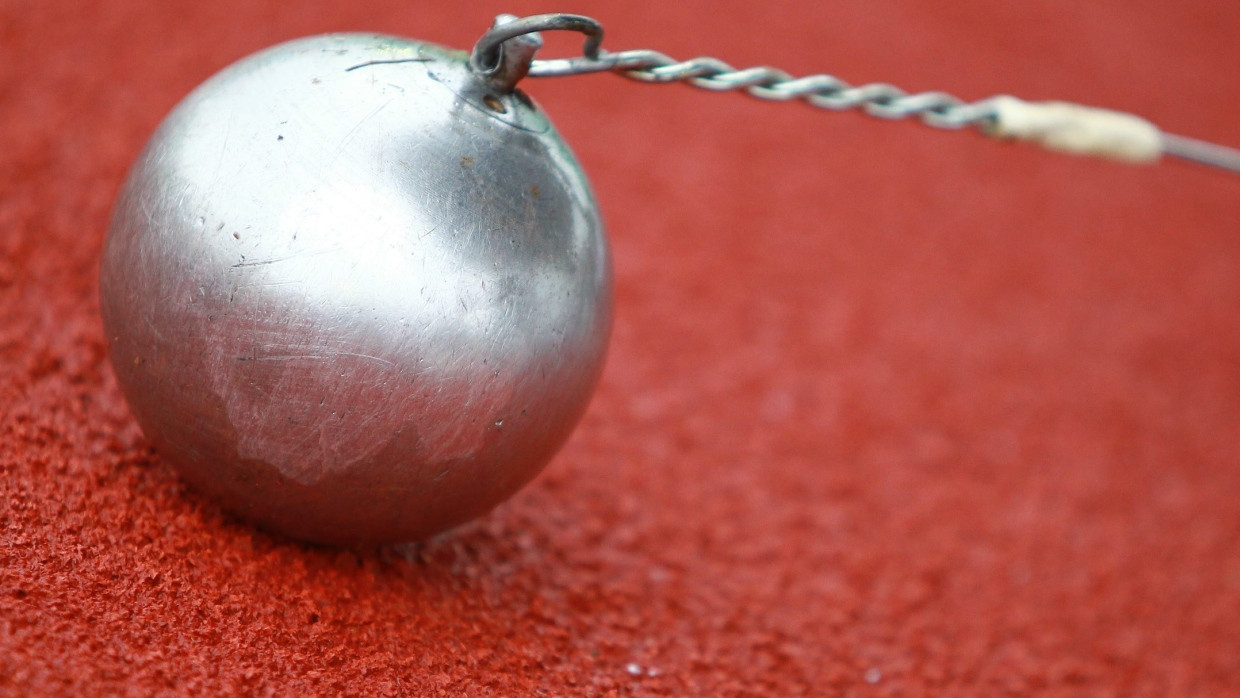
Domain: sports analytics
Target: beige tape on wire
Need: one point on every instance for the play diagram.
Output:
(1080, 130)
(1077, 129)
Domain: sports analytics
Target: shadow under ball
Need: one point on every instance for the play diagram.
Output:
(354, 293)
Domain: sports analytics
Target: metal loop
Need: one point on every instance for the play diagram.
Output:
(486, 58)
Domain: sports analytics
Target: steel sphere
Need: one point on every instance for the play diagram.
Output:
(354, 292)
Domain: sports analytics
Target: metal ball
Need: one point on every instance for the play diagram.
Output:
(354, 292)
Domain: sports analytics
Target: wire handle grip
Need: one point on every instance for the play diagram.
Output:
(505, 54)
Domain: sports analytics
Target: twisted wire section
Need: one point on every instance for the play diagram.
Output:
(1059, 126)
(937, 109)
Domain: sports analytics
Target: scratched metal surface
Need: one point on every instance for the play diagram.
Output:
(352, 294)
